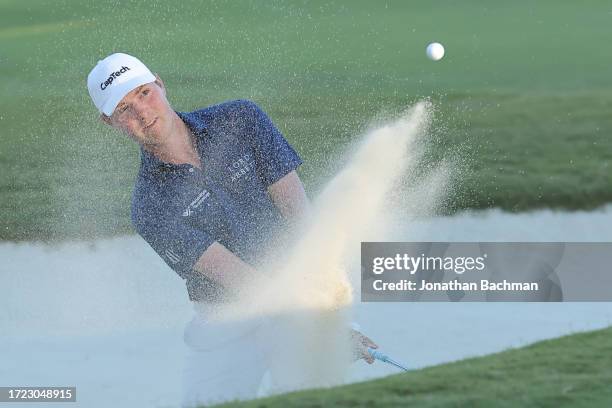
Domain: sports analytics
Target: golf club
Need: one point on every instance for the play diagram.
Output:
(384, 358)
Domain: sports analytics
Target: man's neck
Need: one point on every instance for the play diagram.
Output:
(179, 147)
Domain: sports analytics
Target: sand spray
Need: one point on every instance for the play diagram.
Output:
(305, 300)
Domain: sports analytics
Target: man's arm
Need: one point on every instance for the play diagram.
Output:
(222, 266)
(289, 197)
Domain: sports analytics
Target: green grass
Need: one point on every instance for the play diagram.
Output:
(523, 95)
(572, 371)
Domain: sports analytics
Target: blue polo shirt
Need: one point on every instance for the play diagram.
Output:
(181, 210)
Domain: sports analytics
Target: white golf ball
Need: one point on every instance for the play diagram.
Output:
(435, 51)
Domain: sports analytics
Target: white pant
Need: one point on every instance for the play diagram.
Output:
(228, 360)
(225, 361)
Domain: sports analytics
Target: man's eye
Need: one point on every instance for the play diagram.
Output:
(123, 108)
(145, 92)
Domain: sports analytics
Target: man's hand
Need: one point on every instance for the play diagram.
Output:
(361, 343)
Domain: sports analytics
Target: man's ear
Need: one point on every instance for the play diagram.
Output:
(160, 83)
(105, 119)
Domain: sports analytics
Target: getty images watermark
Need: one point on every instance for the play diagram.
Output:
(486, 271)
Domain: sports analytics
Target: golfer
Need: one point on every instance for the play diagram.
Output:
(213, 185)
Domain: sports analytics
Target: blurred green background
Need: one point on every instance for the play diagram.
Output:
(523, 101)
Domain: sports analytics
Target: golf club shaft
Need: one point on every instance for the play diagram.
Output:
(384, 358)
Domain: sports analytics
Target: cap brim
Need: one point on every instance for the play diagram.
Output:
(123, 89)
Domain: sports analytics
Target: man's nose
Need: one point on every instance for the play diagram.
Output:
(141, 113)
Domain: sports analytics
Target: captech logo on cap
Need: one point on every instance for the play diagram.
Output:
(112, 77)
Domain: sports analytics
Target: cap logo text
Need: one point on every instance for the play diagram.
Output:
(112, 77)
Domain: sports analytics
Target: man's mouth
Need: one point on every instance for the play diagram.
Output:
(150, 124)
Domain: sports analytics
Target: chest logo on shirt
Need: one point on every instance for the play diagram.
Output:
(196, 203)
(242, 166)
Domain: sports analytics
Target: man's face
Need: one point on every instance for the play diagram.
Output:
(144, 114)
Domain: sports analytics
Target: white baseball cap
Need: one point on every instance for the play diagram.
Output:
(113, 78)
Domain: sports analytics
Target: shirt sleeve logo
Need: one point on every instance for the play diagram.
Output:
(172, 256)
(196, 203)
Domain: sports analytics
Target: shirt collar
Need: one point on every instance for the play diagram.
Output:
(193, 122)
(152, 164)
